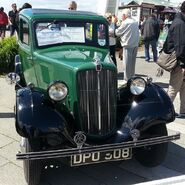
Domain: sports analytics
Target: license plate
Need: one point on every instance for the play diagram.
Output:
(98, 157)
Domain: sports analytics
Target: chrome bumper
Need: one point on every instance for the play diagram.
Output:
(73, 151)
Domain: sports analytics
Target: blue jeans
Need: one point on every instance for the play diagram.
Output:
(13, 28)
(153, 43)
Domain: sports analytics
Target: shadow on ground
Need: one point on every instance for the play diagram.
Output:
(7, 115)
(120, 75)
(129, 172)
(161, 84)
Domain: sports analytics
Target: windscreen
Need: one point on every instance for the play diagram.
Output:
(50, 33)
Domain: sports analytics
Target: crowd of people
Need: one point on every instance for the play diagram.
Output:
(150, 28)
(129, 32)
(11, 19)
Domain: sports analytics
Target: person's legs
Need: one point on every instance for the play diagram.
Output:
(121, 53)
(154, 49)
(3, 31)
(125, 62)
(182, 98)
(175, 83)
(17, 29)
(12, 30)
(133, 61)
(147, 54)
(129, 56)
(112, 54)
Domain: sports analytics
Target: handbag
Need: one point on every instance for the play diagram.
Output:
(167, 61)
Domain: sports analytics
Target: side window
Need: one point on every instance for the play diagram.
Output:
(24, 32)
(101, 34)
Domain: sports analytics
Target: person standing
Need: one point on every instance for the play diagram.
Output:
(150, 31)
(129, 34)
(13, 19)
(72, 5)
(3, 22)
(175, 41)
(112, 39)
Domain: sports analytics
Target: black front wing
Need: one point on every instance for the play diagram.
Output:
(99, 148)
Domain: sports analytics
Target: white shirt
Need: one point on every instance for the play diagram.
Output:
(112, 39)
(129, 33)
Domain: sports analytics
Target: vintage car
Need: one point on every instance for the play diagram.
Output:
(68, 103)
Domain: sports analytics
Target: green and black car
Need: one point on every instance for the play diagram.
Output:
(68, 104)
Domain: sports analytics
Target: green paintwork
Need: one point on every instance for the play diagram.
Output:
(38, 14)
(59, 62)
(62, 63)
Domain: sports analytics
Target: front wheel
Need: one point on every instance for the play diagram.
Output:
(154, 155)
(32, 168)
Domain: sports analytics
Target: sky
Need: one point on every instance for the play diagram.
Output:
(88, 5)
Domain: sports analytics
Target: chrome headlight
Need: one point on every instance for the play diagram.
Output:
(137, 86)
(57, 91)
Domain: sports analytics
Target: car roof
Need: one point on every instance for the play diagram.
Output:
(32, 13)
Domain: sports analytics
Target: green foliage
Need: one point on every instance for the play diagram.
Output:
(8, 50)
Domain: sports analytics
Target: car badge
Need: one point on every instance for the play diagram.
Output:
(135, 133)
(98, 65)
(79, 139)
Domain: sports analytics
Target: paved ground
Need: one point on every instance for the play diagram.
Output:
(172, 171)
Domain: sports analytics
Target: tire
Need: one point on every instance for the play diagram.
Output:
(151, 156)
(32, 168)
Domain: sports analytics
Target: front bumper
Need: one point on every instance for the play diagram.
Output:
(51, 154)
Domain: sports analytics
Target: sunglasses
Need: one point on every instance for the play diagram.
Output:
(70, 8)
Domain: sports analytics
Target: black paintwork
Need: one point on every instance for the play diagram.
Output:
(141, 111)
(37, 117)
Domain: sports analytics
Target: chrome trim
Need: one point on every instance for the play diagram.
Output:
(99, 103)
(88, 114)
(108, 99)
(97, 115)
(98, 148)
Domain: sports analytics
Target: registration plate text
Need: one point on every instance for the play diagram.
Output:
(98, 157)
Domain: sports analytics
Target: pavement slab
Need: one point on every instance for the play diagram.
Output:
(3, 161)
(6, 105)
(11, 174)
(7, 128)
(9, 153)
(4, 141)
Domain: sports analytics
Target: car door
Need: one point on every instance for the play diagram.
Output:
(25, 52)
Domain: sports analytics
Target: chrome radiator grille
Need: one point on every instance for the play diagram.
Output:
(97, 101)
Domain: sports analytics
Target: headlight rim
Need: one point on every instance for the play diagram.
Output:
(56, 82)
(132, 80)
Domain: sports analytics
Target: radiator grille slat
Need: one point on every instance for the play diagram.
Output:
(97, 101)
